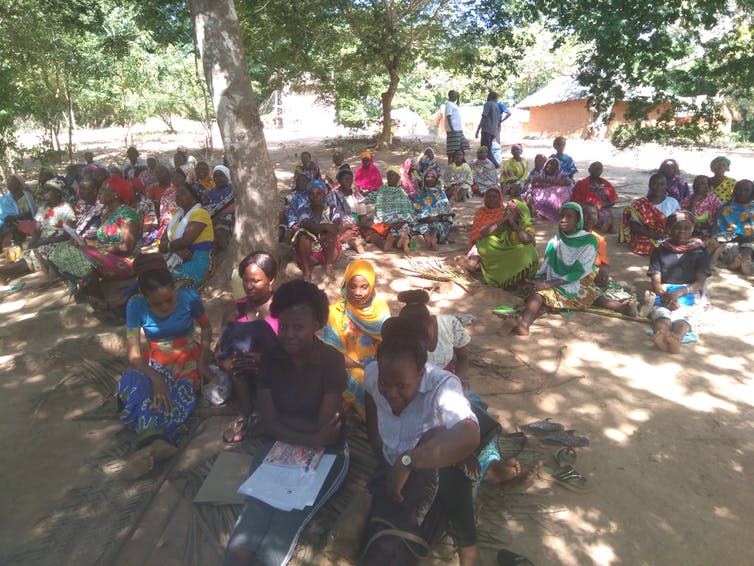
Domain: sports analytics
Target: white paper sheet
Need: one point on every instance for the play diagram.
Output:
(287, 489)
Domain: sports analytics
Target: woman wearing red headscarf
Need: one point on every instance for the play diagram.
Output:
(110, 255)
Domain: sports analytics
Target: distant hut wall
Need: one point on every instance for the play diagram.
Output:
(570, 119)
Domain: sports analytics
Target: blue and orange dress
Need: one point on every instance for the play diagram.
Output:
(174, 353)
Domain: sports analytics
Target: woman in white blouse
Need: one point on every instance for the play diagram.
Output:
(422, 429)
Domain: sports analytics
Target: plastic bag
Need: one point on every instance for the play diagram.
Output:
(497, 151)
(217, 391)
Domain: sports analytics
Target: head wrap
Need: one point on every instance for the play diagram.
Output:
(485, 216)
(721, 158)
(394, 169)
(430, 150)
(676, 167)
(55, 184)
(482, 148)
(316, 183)
(369, 316)
(679, 216)
(577, 207)
(122, 188)
(19, 179)
(366, 154)
(222, 169)
(518, 145)
(555, 159)
(346, 168)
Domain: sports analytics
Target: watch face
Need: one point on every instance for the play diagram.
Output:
(406, 460)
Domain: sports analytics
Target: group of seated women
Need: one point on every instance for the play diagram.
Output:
(721, 209)
(89, 231)
(348, 207)
(404, 378)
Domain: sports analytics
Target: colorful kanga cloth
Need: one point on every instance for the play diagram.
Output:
(601, 194)
(704, 210)
(50, 220)
(724, 191)
(88, 219)
(429, 202)
(168, 206)
(514, 171)
(485, 216)
(139, 414)
(567, 165)
(505, 259)
(355, 331)
(410, 177)
(571, 258)
(650, 215)
(392, 206)
(459, 175)
(547, 199)
(735, 218)
(678, 188)
(367, 179)
(78, 265)
(485, 174)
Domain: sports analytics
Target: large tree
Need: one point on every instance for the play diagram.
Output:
(349, 50)
(226, 69)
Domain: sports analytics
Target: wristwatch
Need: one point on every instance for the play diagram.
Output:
(407, 461)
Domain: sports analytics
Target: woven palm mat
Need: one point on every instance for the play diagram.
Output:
(92, 521)
(211, 525)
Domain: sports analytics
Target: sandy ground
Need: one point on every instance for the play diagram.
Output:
(671, 451)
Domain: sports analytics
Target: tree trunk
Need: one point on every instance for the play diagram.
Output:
(387, 107)
(227, 72)
(71, 120)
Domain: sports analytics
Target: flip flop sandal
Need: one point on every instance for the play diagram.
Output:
(565, 457)
(541, 427)
(510, 558)
(510, 445)
(237, 430)
(566, 477)
(565, 438)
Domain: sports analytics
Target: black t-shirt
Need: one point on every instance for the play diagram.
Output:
(678, 269)
(301, 395)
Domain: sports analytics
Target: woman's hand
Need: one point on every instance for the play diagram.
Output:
(396, 479)
(243, 364)
(540, 284)
(160, 394)
(329, 431)
(185, 254)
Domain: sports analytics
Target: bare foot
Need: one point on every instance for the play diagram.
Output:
(631, 307)
(510, 475)
(462, 262)
(358, 246)
(519, 330)
(403, 243)
(143, 461)
(661, 340)
(329, 271)
(673, 342)
(431, 242)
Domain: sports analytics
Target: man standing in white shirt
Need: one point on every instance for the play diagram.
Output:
(455, 139)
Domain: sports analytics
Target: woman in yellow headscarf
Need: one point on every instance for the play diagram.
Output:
(353, 327)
